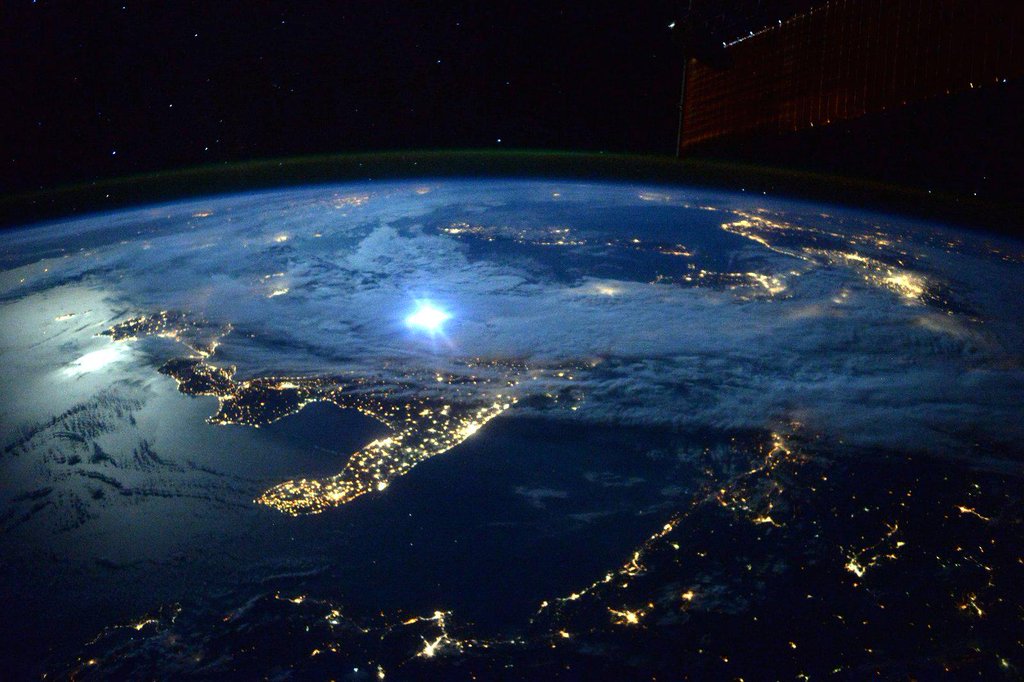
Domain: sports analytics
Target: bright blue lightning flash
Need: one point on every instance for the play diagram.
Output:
(427, 317)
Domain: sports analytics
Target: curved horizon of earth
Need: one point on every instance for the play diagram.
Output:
(649, 429)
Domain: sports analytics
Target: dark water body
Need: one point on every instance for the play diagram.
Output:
(319, 438)
(526, 509)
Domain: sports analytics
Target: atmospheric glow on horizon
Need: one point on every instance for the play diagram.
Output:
(427, 317)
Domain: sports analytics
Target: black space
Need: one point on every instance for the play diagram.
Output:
(109, 89)
(101, 90)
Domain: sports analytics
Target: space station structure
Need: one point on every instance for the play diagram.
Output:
(844, 59)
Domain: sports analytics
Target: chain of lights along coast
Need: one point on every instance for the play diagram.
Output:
(527, 429)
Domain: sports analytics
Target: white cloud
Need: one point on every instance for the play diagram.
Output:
(837, 351)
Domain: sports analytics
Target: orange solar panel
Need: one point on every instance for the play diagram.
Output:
(847, 58)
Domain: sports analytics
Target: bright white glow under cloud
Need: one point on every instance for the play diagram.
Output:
(427, 317)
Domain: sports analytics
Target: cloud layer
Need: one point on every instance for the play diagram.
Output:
(868, 329)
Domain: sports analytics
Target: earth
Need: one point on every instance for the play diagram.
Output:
(509, 428)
